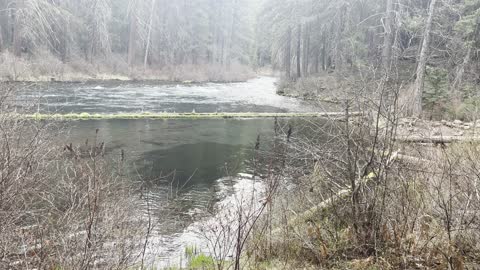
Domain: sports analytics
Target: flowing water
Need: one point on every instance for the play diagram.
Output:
(191, 158)
(257, 95)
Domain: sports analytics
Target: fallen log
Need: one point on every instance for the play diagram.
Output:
(308, 214)
(147, 115)
(412, 160)
(436, 139)
(345, 193)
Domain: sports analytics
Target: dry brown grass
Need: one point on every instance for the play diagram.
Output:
(421, 213)
(45, 67)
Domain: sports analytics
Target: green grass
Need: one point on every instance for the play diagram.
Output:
(197, 260)
(201, 261)
(87, 116)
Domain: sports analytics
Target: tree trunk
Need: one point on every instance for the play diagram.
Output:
(64, 39)
(64, 44)
(149, 36)
(222, 51)
(232, 33)
(288, 54)
(417, 91)
(388, 41)
(299, 51)
(324, 50)
(132, 42)
(5, 25)
(93, 37)
(1, 39)
(338, 41)
(306, 50)
(457, 84)
(214, 30)
(17, 27)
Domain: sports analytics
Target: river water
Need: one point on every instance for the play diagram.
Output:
(256, 95)
(204, 161)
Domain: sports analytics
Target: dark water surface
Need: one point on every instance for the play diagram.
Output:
(198, 152)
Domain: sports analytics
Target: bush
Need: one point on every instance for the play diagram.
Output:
(61, 207)
(356, 202)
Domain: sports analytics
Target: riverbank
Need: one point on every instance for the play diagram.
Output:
(111, 77)
(438, 102)
(51, 69)
(324, 87)
(394, 196)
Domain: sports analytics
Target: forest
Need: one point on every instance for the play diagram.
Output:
(431, 45)
(239, 134)
(129, 38)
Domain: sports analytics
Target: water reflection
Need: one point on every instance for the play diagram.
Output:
(197, 164)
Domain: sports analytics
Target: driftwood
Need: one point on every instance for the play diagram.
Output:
(326, 204)
(412, 160)
(298, 219)
(436, 139)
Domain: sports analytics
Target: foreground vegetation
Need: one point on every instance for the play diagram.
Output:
(368, 202)
(63, 206)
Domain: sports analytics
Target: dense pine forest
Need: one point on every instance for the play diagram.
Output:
(52, 38)
(433, 46)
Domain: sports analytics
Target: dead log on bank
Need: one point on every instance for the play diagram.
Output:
(322, 206)
(437, 139)
(345, 193)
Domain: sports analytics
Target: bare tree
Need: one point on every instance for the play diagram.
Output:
(417, 88)
(287, 53)
(132, 38)
(389, 35)
(149, 35)
(18, 27)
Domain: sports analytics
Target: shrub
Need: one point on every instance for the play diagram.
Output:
(61, 206)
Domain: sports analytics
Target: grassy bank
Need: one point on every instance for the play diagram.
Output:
(126, 116)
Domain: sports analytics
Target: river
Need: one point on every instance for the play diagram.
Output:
(256, 95)
(196, 157)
